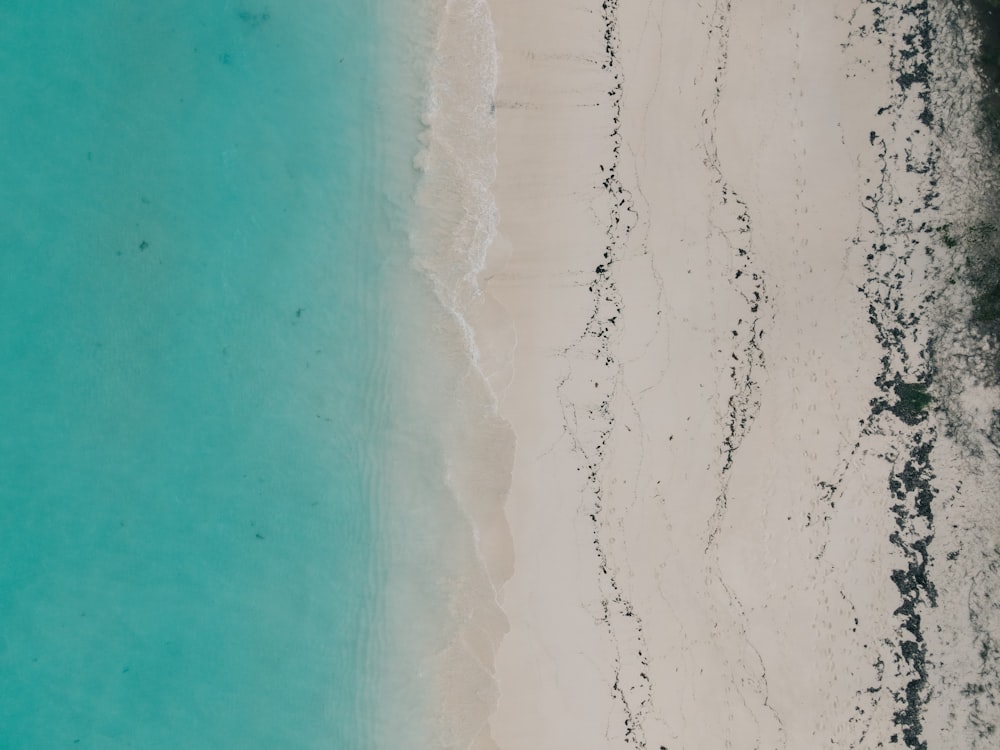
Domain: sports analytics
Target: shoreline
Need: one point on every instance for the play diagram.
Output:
(717, 313)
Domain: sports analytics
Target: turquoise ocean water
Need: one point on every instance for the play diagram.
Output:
(204, 211)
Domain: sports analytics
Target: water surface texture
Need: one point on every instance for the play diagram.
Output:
(191, 332)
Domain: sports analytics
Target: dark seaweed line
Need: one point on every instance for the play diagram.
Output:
(742, 405)
(631, 688)
(633, 696)
(902, 375)
(747, 355)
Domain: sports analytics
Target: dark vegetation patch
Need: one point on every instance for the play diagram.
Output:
(982, 245)
(987, 13)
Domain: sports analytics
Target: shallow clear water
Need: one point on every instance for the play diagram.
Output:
(194, 356)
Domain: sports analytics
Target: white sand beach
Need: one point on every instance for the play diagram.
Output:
(709, 226)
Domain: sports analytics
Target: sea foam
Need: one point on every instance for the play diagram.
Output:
(457, 349)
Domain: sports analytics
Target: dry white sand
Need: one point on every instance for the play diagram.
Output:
(705, 268)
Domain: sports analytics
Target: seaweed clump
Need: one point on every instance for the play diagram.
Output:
(912, 402)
